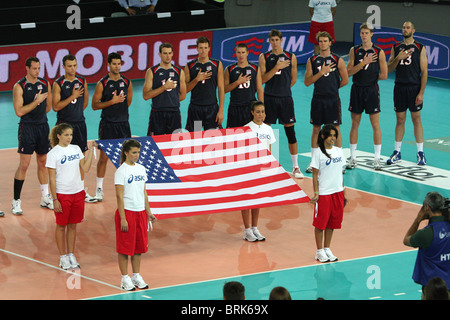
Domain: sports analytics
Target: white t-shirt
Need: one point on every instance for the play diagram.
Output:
(66, 162)
(322, 10)
(264, 133)
(330, 170)
(133, 180)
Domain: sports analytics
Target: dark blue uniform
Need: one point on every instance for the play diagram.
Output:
(326, 104)
(242, 96)
(33, 127)
(277, 91)
(165, 115)
(407, 78)
(203, 106)
(365, 94)
(114, 119)
(73, 113)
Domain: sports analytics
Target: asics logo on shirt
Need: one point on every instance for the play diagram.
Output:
(132, 178)
(70, 158)
(334, 160)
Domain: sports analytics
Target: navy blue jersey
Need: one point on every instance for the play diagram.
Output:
(30, 90)
(169, 100)
(328, 84)
(73, 112)
(368, 75)
(245, 92)
(408, 70)
(117, 112)
(280, 84)
(204, 93)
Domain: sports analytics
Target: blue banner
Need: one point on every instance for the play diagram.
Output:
(437, 47)
(257, 39)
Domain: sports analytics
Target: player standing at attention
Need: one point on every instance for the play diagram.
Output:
(279, 73)
(409, 60)
(367, 65)
(165, 85)
(328, 73)
(243, 80)
(32, 100)
(65, 163)
(204, 77)
(70, 98)
(113, 95)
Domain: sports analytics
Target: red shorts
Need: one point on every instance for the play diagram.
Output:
(72, 208)
(135, 241)
(320, 26)
(329, 211)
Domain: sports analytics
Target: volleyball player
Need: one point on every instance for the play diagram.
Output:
(204, 79)
(328, 73)
(409, 60)
(243, 80)
(279, 74)
(132, 214)
(165, 85)
(113, 95)
(70, 98)
(32, 100)
(367, 65)
(65, 162)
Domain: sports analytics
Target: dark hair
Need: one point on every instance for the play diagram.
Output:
(58, 129)
(275, 33)
(280, 293)
(324, 34)
(114, 55)
(30, 60)
(437, 203)
(126, 147)
(233, 290)
(242, 45)
(253, 105)
(326, 132)
(70, 57)
(203, 39)
(436, 289)
(165, 45)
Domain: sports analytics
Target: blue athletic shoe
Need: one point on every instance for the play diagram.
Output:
(396, 157)
(421, 161)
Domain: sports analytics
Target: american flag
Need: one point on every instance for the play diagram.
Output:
(210, 171)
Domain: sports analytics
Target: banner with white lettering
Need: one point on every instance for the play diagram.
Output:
(437, 46)
(138, 54)
(295, 40)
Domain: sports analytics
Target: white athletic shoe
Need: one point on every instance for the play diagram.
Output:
(2, 214)
(297, 173)
(321, 256)
(16, 208)
(352, 163)
(330, 255)
(377, 164)
(89, 199)
(249, 236)
(258, 235)
(139, 282)
(127, 284)
(47, 202)
(73, 261)
(64, 262)
(99, 194)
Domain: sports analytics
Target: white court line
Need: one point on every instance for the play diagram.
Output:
(59, 269)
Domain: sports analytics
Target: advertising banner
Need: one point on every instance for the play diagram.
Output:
(138, 54)
(437, 47)
(295, 38)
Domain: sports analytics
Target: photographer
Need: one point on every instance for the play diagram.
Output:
(433, 241)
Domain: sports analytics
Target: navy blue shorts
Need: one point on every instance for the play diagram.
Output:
(204, 114)
(405, 98)
(163, 122)
(33, 138)
(79, 134)
(114, 130)
(365, 99)
(326, 110)
(238, 115)
(279, 108)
